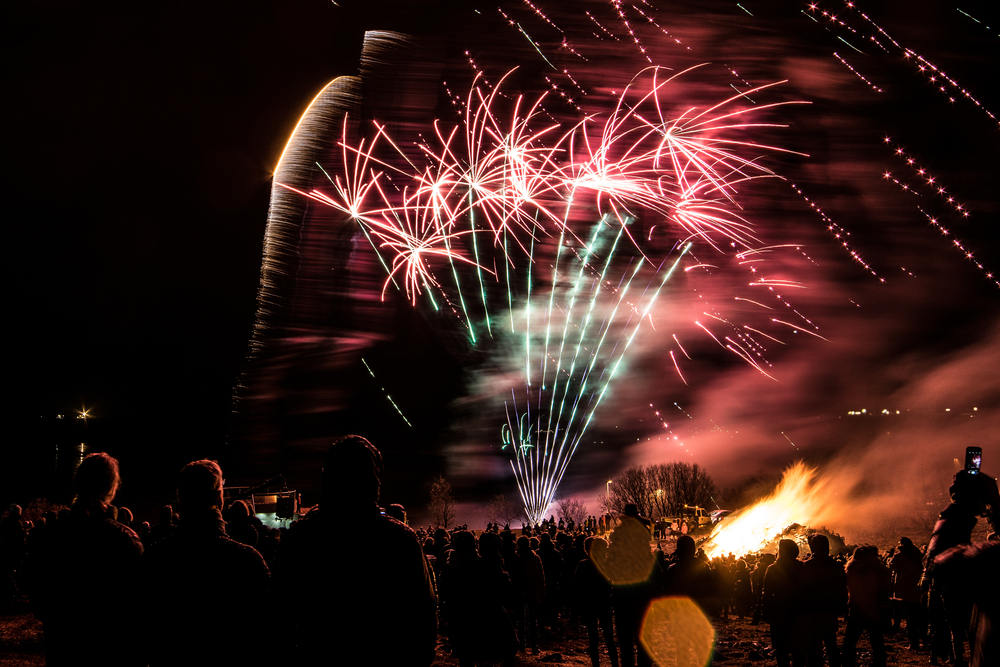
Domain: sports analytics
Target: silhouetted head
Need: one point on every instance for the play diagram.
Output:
(597, 549)
(788, 550)
(14, 511)
(97, 478)
(866, 553)
(767, 559)
(238, 512)
(685, 547)
(199, 485)
(463, 541)
(905, 542)
(819, 544)
(489, 544)
(523, 544)
(352, 474)
(630, 510)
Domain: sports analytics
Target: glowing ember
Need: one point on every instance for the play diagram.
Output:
(800, 498)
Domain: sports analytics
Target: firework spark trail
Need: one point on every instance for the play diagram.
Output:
(628, 28)
(961, 248)
(388, 397)
(936, 76)
(857, 73)
(932, 183)
(929, 181)
(839, 233)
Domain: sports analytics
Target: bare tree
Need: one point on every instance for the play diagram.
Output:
(442, 505)
(605, 502)
(662, 489)
(571, 508)
(631, 487)
(694, 484)
(682, 484)
(500, 510)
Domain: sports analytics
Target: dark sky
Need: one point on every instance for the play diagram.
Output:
(140, 149)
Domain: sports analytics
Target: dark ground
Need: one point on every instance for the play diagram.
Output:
(738, 644)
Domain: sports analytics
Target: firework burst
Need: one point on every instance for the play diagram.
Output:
(542, 221)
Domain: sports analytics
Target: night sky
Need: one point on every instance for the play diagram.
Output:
(142, 143)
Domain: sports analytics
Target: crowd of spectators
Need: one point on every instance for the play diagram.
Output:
(191, 588)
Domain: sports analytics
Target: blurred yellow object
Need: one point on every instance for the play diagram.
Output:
(677, 632)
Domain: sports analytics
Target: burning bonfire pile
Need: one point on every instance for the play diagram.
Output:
(801, 500)
(798, 534)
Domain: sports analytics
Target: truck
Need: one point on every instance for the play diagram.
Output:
(694, 516)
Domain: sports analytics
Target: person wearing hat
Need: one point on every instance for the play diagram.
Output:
(824, 586)
(782, 599)
(907, 568)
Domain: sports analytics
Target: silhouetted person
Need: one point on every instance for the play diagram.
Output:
(474, 589)
(593, 592)
(976, 568)
(742, 591)
(757, 584)
(198, 582)
(972, 495)
(689, 577)
(365, 592)
(83, 572)
(635, 579)
(532, 589)
(869, 586)
(13, 547)
(573, 553)
(782, 605)
(552, 563)
(907, 569)
(963, 574)
(824, 595)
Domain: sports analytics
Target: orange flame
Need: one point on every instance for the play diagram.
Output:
(799, 498)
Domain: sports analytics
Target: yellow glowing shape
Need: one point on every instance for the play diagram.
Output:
(676, 632)
(299, 123)
(629, 559)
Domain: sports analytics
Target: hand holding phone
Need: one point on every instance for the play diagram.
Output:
(973, 459)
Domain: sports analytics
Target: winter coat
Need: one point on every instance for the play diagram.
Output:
(976, 570)
(907, 568)
(198, 582)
